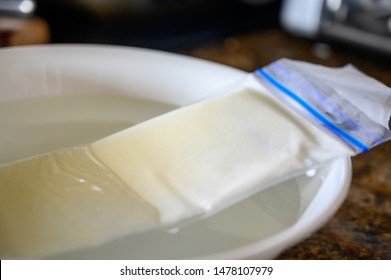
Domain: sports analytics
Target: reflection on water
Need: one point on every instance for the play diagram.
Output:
(251, 220)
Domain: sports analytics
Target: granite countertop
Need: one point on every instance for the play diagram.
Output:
(361, 229)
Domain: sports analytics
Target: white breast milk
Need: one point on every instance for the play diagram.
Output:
(184, 164)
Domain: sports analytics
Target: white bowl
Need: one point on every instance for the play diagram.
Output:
(259, 227)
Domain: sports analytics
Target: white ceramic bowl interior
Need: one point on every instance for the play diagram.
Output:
(259, 227)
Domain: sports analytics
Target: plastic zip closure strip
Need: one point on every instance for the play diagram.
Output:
(332, 111)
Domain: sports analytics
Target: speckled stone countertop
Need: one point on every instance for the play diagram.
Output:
(361, 229)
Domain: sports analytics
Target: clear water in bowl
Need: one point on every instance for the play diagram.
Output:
(37, 125)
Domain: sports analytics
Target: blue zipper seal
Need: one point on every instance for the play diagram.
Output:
(328, 124)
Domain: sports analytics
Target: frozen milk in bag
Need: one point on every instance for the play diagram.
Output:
(193, 161)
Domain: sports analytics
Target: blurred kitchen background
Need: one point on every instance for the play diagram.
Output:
(176, 24)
